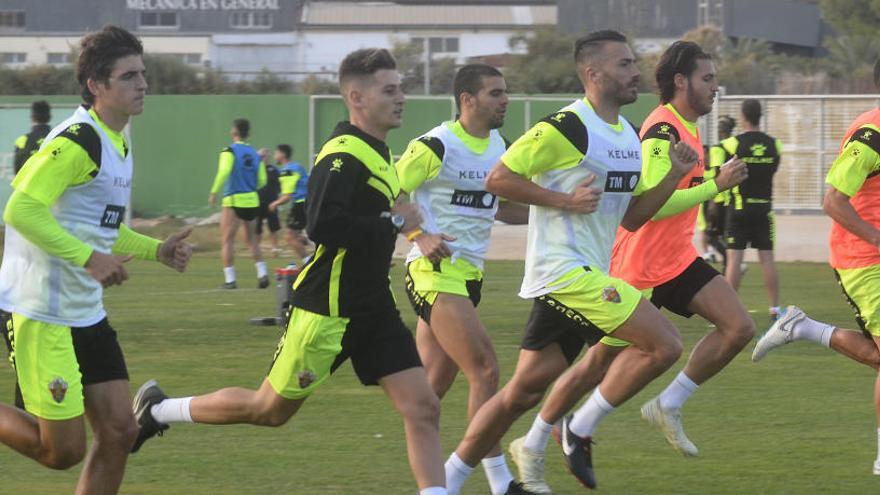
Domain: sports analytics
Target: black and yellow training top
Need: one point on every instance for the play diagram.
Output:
(761, 154)
(351, 190)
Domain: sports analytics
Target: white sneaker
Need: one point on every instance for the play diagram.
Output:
(877, 467)
(669, 422)
(780, 333)
(531, 467)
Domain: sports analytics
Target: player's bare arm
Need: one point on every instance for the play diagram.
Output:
(838, 207)
(504, 182)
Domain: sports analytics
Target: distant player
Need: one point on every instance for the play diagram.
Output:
(715, 210)
(268, 195)
(445, 172)
(750, 218)
(240, 173)
(579, 168)
(343, 307)
(65, 242)
(294, 179)
(853, 203)
(28, 144)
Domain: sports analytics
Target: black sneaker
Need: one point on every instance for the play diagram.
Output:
(230, 285)
(578, 454)
(516, 488)
(263, 282)
(147, 396)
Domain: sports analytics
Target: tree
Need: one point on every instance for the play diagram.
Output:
(745, 66)
(852, 17)
(411, 65)
(547, 65)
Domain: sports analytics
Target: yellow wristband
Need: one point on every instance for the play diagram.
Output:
(415, 233)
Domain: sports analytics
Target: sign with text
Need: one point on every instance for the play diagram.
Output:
(202, 4)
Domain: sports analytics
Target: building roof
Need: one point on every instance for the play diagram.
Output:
(388, 14)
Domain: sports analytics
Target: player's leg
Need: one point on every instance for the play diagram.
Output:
(535, 371)
(877, 408)
(274, 225)
(771, 279)
(108, 409)
(733, 271)
(439, 367)
(228, 227)
(253, 241)
(416, 402)
(54, 444)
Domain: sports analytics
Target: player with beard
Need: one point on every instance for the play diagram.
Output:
(579, 169)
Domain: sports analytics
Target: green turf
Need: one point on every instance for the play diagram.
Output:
(800, 422)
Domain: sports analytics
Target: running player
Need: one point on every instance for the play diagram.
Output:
(584, 164)
(445, 171)
(65, 242)
(294, 185)
(660, 260)
(342, 306)
(269, 194)
(715, 209)
(28, 144)
(240, 173)
(853, 203)
(750, 219)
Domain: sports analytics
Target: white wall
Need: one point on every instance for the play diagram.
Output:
(37, 48)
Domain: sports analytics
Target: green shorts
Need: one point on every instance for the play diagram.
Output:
(861, 288)
(53, 363)
(589, 308)
(315, 345)
(424, 281)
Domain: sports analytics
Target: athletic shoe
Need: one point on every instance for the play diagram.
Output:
(263, 282)
(516, 488)
(578, 453)
(780, 333)
(669, 422)
(230, 285)
(877, 467)
(147, 396)
(531, 467)
(743, 268)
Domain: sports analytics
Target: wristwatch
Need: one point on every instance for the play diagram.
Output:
(397, 221)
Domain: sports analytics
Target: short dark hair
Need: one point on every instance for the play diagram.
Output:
(469, 79)
(365, 62)
(99, 51)
(751, 110)
(726, 124)
(41, 112)
(242, 127)
(877, 73)
(680, 58)
(286, 150)
(588, 45)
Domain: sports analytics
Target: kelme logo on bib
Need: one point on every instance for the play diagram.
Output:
(58, 389)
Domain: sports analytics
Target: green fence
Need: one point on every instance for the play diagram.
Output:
(177, 138)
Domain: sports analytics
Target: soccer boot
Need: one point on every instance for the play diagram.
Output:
(780, 333)
(531, 467)
(669, 422)
(877, 467)
(230, 285)
(578, 453)
(263, 282)
(516, 488)
(147, 396)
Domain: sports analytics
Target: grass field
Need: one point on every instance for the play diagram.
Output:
(800, 422)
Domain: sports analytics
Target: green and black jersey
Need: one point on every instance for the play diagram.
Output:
(761, 154)
(28, 144)
(351, 190)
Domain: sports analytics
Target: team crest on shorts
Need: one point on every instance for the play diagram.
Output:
(58, 388)
(306, 378)
(610, 294)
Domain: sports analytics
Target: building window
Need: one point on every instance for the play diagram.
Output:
(58, 58)
(187, 58)
(12, 58)
(158, 20)
(11, 19)
(438, 44)
(250, 20)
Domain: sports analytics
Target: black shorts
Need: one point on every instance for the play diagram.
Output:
(753, 225)
(296, 219)
(550, 321)
(271, 218)
(677, 294)
(422, 307)
(378, 345)
(715, 214)
(246, 214)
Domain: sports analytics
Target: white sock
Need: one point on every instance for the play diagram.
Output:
(457, 473)
(433, 490)
(677, 392)
(229, 274)
(808, 329)
(172, 411)
(497, 473)
(878, 444)
(587, 418)
(261, 269)
(538, 435)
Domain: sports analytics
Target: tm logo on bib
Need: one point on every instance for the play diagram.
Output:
(473, 199)
(621, 182)
(112, 216)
